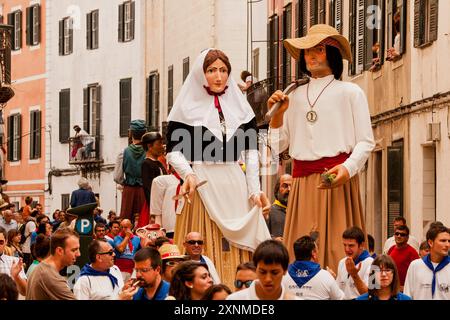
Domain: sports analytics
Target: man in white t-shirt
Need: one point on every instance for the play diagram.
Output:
(429, 278)
(306, 279)
(354, 269)
(162, 205)
(390, 242)
(101, 280)
(271, 259)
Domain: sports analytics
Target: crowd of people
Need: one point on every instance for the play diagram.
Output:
(194, 223)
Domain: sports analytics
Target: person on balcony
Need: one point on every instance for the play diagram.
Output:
(326, 126)
(86, 141)
(248, 80)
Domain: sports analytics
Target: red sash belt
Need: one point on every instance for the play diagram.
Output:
(305, 168)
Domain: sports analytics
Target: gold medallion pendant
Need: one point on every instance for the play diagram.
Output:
(311, 116)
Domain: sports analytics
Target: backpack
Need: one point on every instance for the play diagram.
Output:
(22, 233)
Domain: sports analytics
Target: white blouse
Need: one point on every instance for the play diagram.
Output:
(343, 124)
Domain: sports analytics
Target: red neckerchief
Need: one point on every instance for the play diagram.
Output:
(216, 96)
(178, 188)
(130, 244)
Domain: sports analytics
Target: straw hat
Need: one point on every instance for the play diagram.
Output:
(316, 34)
(170, 251)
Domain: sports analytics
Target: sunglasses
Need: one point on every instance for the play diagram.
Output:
(111, 252)
(400, 234)
(172, 263)
(238, 283)
(193, 242)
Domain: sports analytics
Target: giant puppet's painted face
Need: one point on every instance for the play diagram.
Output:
(316, 60)
(217, 76)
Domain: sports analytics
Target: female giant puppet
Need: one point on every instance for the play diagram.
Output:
(211, 126)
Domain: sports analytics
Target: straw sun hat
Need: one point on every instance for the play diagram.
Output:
(316, 34)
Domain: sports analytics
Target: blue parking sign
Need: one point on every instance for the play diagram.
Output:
(83, 226)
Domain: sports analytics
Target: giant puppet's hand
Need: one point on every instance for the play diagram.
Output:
(189, 186)
(261, 201)
(340, 176)
(277, 119)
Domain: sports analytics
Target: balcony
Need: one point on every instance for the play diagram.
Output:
(84, 156)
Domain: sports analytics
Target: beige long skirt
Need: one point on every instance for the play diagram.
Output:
(326, 211)
(225, 256)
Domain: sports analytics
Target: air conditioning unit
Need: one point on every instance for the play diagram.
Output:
(434, 131)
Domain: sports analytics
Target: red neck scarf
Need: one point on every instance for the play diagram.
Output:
(216, 96)
(130, 243)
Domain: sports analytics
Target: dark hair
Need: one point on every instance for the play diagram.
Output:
(99, 225)
(54, 213)
(334, 58)
(354, 233)
(5, 234)
(161, 240)
(435, 224)
(403, 228)
(149, 138)
(246, 266)
(59, 237)
(185, 271)
(114, 222)
(245, 74)
(424, 245)
(212, 56)
(8, 288)
(371, 242)
(432, 233)
(303, 248)
(41, 227)
(94, 248)
(215, 288)
(277, 188)
(28, 200)
(386, 261)
(397, 219)
(149, 253)
(41, 246)
(271, 252)
(11, 234)
(137, 135)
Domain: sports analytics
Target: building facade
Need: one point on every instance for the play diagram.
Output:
(23, 125)
(95, 67)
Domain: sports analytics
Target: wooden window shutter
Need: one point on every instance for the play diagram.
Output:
(148, 103)
(283, 53)
(37, 27)
(434, 8)
(95, 34)
(352, 35)
(13, 34)
(312, 12)
(322, 11)
(403, 19)
(276, 51)
(70, 35)
(133, 19)
(338, 15)
(98, 117)
(360, 35)
(86, 110)
(64, 115)
(297, 18)
(121, 22)
(32, 133)
(20, 29)
(369, 38)
(29, 26)
(156, 100)
(304, 17)
(89, 30)
(417, 23)
(19, 137)
(395, 183)
(38, 120)
(10, 138)
(125, 106)
(61, 37)
(269, 38)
